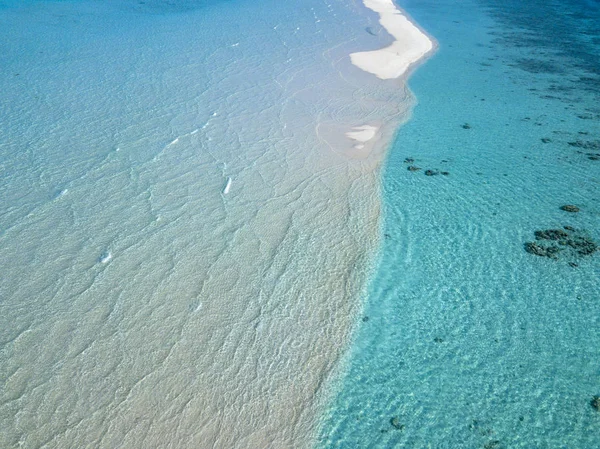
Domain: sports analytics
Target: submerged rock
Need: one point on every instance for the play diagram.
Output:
(546, 140)
(396, 424)
(466, 126)
(569, 208)
(409, 160)
(413, 168)
(491, 444)
(431, 172)
(370, 31)
(595, 403)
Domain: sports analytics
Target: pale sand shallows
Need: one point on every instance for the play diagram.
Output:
(409, 46)
(197, 286)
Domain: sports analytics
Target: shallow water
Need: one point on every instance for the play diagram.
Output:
(467, 340)
(185, 230)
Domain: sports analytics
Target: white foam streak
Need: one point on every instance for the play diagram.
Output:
(227, 186)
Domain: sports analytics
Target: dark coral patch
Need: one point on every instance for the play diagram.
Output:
(568, 243)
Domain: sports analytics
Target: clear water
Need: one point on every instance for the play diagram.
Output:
(467, 340)
(185, 231)
(141, 306)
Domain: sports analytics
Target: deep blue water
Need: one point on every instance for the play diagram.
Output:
(467, 340)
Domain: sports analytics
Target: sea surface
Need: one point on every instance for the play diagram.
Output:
(185, 230)
(194, 255)
(467, 340)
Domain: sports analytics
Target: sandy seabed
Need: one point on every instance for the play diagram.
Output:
(196, 280)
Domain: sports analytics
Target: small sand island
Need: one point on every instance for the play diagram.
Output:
(362, 134)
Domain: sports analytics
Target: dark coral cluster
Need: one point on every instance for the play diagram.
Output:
(428, 172)
(593, 145)
(586, 145)
(436, 172)
(567, 242)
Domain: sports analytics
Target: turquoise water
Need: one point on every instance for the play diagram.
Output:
(468, 341)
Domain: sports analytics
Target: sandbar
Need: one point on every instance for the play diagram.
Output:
(409, 46)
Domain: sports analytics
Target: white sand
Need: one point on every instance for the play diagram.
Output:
(410, 44)
(362, 134)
